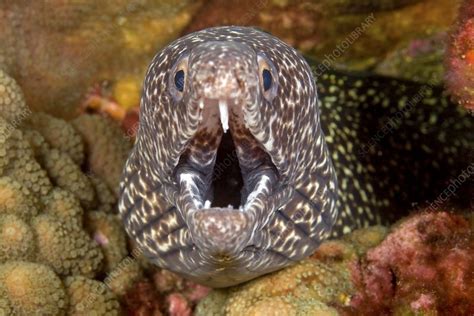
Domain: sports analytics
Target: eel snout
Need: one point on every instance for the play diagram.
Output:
(225, 175)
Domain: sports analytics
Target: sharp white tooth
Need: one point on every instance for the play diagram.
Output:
(207, 204)
(224, 115)
(201, 104)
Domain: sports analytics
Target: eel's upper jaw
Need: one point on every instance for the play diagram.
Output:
(221, 229)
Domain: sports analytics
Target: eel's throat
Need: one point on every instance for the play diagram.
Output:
(225, 178)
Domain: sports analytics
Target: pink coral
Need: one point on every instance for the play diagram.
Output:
(165, 293)
(460, 57)
(178, 305)
(426, 263)
(141, 300)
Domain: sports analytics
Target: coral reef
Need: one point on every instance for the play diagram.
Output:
(459, 60)
(17, 161)
(12, 103)
(16, 199)
(108, 232)
(418, 60)
(164, 293)
(64, 173)
(52, 213)
(107, 45)
(62, 250)
(16, 239)
(124, 276)
(58, 134)
(90, 297)
(324, 29)
(106, 147)
(423, 264)
(28, 288)
(65, 248)
(91, 43)
(63, 205)
(426, 265)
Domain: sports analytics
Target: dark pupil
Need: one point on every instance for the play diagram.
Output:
(267, 79)
(179, 80)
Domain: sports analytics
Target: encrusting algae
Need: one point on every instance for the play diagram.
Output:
(57, 229)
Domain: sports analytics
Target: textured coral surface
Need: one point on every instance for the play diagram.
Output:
(62, 248)
(423, 265)
(58, 234)
(65, 46)
(460, 57)
(70, 46)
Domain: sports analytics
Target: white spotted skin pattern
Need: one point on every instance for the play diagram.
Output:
(285, 222)
(385, 173)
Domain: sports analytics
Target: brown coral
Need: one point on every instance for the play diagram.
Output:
(59, 134)
(67, 175)
(63, 205)
(42, 194)
(90, 297)
(30, 289)
(16, 239)
(68, 250)
(105, 196)
(308, 283)
(107, 231)
(16, 199)
(124, 276)
(12, 103)
(64, 47)
(107, 148)
(62, 170)
(17, 160)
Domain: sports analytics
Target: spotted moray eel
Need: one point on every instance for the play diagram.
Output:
(232, 177)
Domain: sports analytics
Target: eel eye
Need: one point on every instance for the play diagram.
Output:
(268, 77)
(179, 80)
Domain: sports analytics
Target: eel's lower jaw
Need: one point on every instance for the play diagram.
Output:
(221, 233)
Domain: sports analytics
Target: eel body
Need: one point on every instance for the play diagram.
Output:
(232, 176)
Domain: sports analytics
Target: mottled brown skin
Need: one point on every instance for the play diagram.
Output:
(276, 155)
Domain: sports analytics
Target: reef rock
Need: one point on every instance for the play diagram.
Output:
(459, 60)
(66, 46)
(422, 264)
(357, 34)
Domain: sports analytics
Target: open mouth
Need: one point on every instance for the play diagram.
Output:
(223, 164)
(225, 176)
